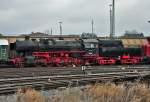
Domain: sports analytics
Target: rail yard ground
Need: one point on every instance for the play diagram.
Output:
(44, 78)
(131, 92)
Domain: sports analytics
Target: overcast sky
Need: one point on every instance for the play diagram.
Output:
(25, 16)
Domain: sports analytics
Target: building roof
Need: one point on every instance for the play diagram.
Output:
(140, 35)
(3, 42)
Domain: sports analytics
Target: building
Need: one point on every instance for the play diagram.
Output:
(38, 35)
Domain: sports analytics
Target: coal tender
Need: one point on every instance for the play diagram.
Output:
(110, 48)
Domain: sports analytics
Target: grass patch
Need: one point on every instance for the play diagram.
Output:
(92, 93)
(29, 95)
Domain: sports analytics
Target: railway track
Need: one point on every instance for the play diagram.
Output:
(41, 71)
(12, 79)
(50, 82)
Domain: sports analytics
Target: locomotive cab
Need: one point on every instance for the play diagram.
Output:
(91, 46)
(92, 51)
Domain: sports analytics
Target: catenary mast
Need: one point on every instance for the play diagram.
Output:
(112, 20)
(92, 26)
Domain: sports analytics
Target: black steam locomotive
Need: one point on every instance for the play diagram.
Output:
(75, 52)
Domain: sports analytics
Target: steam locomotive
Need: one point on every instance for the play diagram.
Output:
(50, 52)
